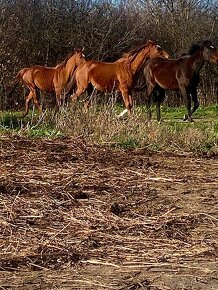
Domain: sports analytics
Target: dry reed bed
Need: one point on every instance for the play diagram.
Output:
(88, 217)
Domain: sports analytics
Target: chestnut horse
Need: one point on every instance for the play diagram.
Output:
(178, 74)
(117, 75)
(48, 79)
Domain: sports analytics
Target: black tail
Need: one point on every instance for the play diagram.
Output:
(140, 87)
(139, 81)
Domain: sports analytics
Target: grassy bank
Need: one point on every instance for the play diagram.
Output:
(101, 125)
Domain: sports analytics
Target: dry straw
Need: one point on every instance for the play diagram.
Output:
(81, 216)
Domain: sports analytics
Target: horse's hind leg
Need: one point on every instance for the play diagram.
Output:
(28, 99)
(36, 100)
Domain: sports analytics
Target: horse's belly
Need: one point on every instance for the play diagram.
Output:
(45, 86)
(168, 83)
(44, 81)
(104, 85)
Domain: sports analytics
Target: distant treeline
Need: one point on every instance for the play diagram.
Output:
(44, 31)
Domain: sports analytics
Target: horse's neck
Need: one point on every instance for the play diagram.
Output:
(138, 60)
(197, 61)
(70, 67)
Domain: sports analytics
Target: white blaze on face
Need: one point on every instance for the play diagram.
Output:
(212, 47)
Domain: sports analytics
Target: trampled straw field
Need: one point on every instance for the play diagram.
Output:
(75, 215)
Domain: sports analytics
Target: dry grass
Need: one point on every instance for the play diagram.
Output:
(100, 125)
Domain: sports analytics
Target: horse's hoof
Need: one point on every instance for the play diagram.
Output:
(185, 118)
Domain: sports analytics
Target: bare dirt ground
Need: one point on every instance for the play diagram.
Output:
(80, 216)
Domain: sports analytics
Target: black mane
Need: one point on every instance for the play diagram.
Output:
(195, 47)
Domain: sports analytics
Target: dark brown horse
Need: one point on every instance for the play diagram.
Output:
(48, 79)
(118, 75)
(178, 74)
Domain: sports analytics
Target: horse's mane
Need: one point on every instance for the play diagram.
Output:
(63, 62)
(69, 55)
(196, 46)
(137, 49)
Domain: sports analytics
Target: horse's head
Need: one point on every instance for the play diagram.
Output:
(156, 50)
(79, 56)
(209, 52)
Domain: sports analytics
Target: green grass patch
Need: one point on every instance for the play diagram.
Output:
(126, 143)
(101, 125)
(32, 125)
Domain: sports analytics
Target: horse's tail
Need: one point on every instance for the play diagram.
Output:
(140, 87)
(139, 82)
(18, 79)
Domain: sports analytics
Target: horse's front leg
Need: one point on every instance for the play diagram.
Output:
(158, 111)
(58, 104)
(59, 97)
(159, 96)
(79, 91)
(91, 91)
(149, 91)
(127, 98)
(148, 107)
(194, 99)
(187, 97)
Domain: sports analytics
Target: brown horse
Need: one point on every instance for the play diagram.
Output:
(178, 74)
(48, 79)
(118, 75)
